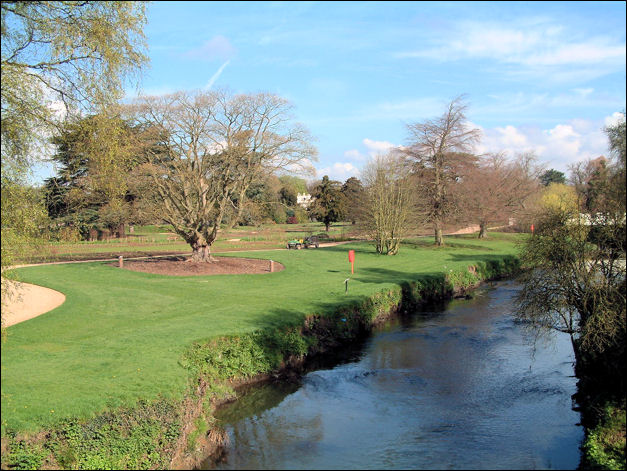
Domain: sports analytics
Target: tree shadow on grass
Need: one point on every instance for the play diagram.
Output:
(385, 275)
(455, 257)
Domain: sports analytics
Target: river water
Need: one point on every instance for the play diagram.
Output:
(459, 386)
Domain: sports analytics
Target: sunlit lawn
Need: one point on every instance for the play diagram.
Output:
(119, 334)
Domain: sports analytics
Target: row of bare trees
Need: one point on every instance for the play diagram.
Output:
(437, 178)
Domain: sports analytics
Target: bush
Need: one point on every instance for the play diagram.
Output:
(605, 445)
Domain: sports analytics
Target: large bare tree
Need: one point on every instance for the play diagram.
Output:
(208, 148)
(438, 147)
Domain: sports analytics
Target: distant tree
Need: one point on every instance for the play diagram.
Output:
(616, 136)
(354, 194)
(218, 145)
(495, 189)
(299, 185)
(95, 156)
(288, 196)
(437, 147)
(559, 197)
(328, 203)
(552, 176)
(388, 205)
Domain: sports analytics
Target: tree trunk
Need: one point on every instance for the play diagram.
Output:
(326, 225)
(483, 230)
(201, 253)
(437, 226)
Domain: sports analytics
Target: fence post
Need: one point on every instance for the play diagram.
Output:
(121, 261)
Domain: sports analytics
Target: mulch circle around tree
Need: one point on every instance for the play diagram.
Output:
(180, 266)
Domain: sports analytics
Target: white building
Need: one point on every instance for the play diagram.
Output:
(303, 199)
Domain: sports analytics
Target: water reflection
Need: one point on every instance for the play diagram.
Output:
(455, 389)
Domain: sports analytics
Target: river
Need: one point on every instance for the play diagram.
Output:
(456, 386)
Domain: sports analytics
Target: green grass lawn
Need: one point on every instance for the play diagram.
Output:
(119, 334)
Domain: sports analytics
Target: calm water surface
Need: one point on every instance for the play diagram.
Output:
(460, 387)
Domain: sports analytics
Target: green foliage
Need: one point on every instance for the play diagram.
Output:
(78, 52)
(134, 438)
(552, 176)
(23, 456)
(298, 184)
(604, 446)
(246, 355)
(328, 202)
(22, 218)
(201, 427)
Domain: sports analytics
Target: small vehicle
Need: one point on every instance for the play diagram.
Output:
(311, 241)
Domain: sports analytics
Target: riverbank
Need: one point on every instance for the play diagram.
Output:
(166, 430)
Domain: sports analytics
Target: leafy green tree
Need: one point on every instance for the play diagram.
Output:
(95, 157)
(287, 196)
(299, 185)
(328, 202)
(354, 193)
(552, 176)
(63, 57)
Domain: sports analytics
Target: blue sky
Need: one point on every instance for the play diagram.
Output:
(538, 76)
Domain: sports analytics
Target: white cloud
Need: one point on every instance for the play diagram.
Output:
(511, 137)
(217, 47)
(377, 147)
(557, 147)
(527, 48)
(617, 117)
(562, 131)
(340, 171)
(354, 154)
(536, 44)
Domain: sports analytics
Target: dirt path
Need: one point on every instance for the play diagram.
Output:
(27, 301)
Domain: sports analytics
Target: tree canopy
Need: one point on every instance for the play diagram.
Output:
(552, 176)
(328, 202)
(212, 147)
(439, 147)
(61, 57)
